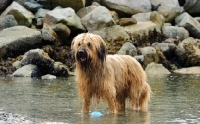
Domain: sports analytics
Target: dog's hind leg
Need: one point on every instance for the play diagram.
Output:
(86, 105)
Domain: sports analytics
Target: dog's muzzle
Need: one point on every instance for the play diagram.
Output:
(82, 55)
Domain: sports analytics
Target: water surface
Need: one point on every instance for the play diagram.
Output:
(175, 100)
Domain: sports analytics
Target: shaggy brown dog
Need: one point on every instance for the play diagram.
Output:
(112, 78)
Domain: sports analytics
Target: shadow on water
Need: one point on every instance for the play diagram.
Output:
(175, 100)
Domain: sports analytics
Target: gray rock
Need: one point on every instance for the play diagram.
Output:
(41, 13)
(168, 49)
(22, 15)
(32, 5)
(85, 10)
(24, 71)
(114, 36)
(189, 70)
(49, 35)
(17, 40)
(140, 59)
(128, 49)
(189, 23)
(152, 55)
(175, 32)
(169, 9)
(97, 19)
(45, 64)
(48, 77)
(7, 22)
(192, 6)
(127, 6)
(66, 16)
(62, 31)
(142, 17)
(147, 50)
(188, 52)
(144, 33)
(4, 4)
(156, 69)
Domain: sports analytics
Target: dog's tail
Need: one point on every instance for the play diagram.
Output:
(145, 98)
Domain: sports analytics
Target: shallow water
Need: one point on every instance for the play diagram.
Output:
(176, 99)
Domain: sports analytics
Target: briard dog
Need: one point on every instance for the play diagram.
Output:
(112, 78)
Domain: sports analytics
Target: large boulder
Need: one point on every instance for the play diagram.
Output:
(168, 49)
(7, 22)
(127, 6)
(4, 4)
(22, 15)
(168, 8)
(175, 32)
(189, 23)
(192, 6)
(25, 71)
(66, 16)
(189, 70)
(17, 40)
(45, 64)
(188, 52)
(144, 33)
(97, 19)
(128, 49)
(151, 55)
(156, 69)
(114, 36)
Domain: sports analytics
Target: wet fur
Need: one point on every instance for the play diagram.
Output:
(112, 78)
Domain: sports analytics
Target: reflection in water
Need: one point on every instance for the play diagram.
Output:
(175, 100)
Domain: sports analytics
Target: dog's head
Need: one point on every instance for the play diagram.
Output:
(87, 48)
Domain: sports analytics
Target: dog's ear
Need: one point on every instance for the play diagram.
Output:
(101, 52)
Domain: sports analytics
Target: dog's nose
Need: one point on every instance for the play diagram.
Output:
(80, 51)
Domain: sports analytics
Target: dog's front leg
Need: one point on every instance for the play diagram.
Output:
(86, 105)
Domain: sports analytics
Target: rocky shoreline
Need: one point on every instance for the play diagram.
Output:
(35, 35)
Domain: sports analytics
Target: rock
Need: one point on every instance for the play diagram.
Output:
(197, 18)
(7, 22)
(192, 6)
(189, 70)
(22, 15)
(66, 16)
(4, 4)
(39, 23)
(142, 17)
(75, 4)
(114, 36)
(49, 35)
(97, 19)
(168, 49)
(127, 6)
(17, 40)
(140, 59)
(156, 18)
(169, 9)
(41, 13)
(16, 64)
(62, 31)
(48, 77)
(175, 32)
(128, 49)
(126, 21)
(24, 71)
(45, 64)
(189, 23)
(156, 69)
(150, 16)
(114, 15)
(32, 5)
(144, 33)
(188, 52)
(152, 55)
(84, 11)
